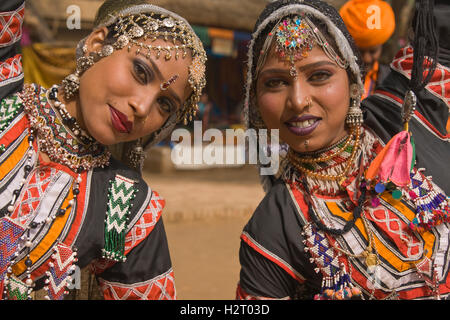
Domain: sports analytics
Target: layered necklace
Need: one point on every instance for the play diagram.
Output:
(54, 132)
(327, 169)
(58, 134)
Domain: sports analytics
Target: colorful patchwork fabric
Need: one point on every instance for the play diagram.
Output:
(278, 260)
(439, 84)
(11, 70)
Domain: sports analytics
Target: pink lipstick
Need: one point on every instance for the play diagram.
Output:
(120, 121)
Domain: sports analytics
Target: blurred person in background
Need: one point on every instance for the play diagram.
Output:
(371, 23)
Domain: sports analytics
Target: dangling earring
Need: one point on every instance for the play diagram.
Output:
(136, 155)
(355, 115)
(71, 83)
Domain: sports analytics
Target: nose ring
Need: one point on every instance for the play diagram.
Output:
(309, 102)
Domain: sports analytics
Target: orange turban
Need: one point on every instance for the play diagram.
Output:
(370, 22)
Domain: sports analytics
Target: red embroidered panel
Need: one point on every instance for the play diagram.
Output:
(439, 84)
(11, 68)
(146, 223)
(159, 288)
(11, 26)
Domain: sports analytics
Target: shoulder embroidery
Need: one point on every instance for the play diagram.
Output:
(121, 193)
(146, 222)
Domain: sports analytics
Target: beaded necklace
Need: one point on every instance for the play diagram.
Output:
(356, 212)
(54, 137)
(301, 164)
(71, 125)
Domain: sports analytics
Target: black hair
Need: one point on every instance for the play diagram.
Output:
(425, 43)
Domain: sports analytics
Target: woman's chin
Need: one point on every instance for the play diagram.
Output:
(106, 139)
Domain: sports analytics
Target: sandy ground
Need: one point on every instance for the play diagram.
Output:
(204, 216)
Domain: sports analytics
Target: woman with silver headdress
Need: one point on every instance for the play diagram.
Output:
(348, 215)
(65, 202)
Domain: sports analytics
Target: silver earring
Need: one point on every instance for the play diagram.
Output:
(136, 155)
(71, 83)
(106, 51)
(355, 115)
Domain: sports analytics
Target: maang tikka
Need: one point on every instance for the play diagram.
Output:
(294, 38)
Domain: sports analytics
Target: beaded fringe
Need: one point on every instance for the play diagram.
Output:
(120, 196)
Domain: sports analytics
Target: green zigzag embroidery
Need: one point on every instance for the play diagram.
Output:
(121, 193)
(9, 108)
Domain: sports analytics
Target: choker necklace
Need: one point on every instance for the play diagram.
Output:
(323, 155)
(302, 164)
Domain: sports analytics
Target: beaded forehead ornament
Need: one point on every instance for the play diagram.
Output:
(293, 41)
(294, 37)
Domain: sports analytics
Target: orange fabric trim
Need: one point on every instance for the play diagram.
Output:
(13, 133)
(448, 126)
(76, 223)
(370, 80)
(13, 158)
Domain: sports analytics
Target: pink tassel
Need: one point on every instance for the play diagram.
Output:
(394, 161)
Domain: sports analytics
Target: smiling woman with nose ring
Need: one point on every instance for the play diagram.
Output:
(65, 202)
(349, 214)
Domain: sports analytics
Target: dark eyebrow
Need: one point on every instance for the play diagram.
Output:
(161, 77)
(302, 68)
